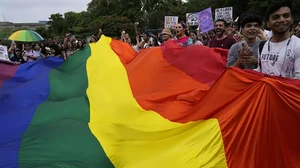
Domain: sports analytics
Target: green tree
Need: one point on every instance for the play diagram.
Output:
(56, 22)
(113, 25)
(118, 15)
(155, 17)
(5, 33)
(43, 32)
(71, 20)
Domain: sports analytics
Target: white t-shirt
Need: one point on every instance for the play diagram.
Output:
(27, 53)
(283, 58)
(198, 43)
(136, 48)
(36, 53)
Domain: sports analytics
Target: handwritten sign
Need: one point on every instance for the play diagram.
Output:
(192, 19)
(171, 21)
(3, 52)
(224, 13)
(205, 20)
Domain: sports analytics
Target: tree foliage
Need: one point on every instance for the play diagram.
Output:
(118, 15)
(57, 23)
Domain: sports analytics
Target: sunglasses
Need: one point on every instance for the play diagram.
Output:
(164, 34)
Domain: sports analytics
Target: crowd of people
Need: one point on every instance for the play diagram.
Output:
(25, 52)
(274, 52)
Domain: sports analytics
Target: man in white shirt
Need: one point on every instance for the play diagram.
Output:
(280, 55)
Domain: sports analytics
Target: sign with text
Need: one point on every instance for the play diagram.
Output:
(224, 13)
(192, 19)
(3, 52)
(205, 20)
(171, 21)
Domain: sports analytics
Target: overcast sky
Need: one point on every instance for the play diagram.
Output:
(28, 11)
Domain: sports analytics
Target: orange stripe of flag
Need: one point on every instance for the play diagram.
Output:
(259, 117)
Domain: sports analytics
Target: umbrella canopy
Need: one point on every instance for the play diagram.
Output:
(26, 36)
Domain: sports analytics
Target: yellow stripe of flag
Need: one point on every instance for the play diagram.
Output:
(135, 138)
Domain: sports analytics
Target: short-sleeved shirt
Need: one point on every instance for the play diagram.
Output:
(185, 41)
(233, 55)
(19, 59)
(281, 58)
(30, 52)
(225, 43)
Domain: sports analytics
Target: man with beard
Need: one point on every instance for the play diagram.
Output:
(146, 41)
(244, 55)
(221, 40)
(280, 55)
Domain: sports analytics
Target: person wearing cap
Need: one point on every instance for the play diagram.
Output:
(297, 30)
(17, 57)
(166, 35)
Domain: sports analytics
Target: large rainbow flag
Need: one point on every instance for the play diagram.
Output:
(175, 107)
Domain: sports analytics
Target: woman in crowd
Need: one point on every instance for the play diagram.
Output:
(154, 41)
(80, 44)
(94, 39)
(28, 54)
(135, 44)
(69, 49)
(194, 37)
(37, 51)
(181, 33)
(127, 39)
(211, 36)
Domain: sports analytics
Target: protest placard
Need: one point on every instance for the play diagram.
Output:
(171, 21)
(3, 53)
(224, 13)
(205, 20)
(192, 19)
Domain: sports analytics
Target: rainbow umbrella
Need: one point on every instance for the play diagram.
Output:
(26, 36)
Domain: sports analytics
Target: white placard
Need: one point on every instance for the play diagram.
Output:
(224, 13)
(3, 53)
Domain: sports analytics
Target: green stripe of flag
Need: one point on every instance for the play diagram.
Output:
(59, 135)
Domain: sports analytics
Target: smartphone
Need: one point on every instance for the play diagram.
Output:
(244, 46)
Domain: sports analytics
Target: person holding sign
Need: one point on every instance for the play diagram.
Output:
(222, 40)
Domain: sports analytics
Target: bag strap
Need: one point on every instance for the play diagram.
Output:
(260, 48)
